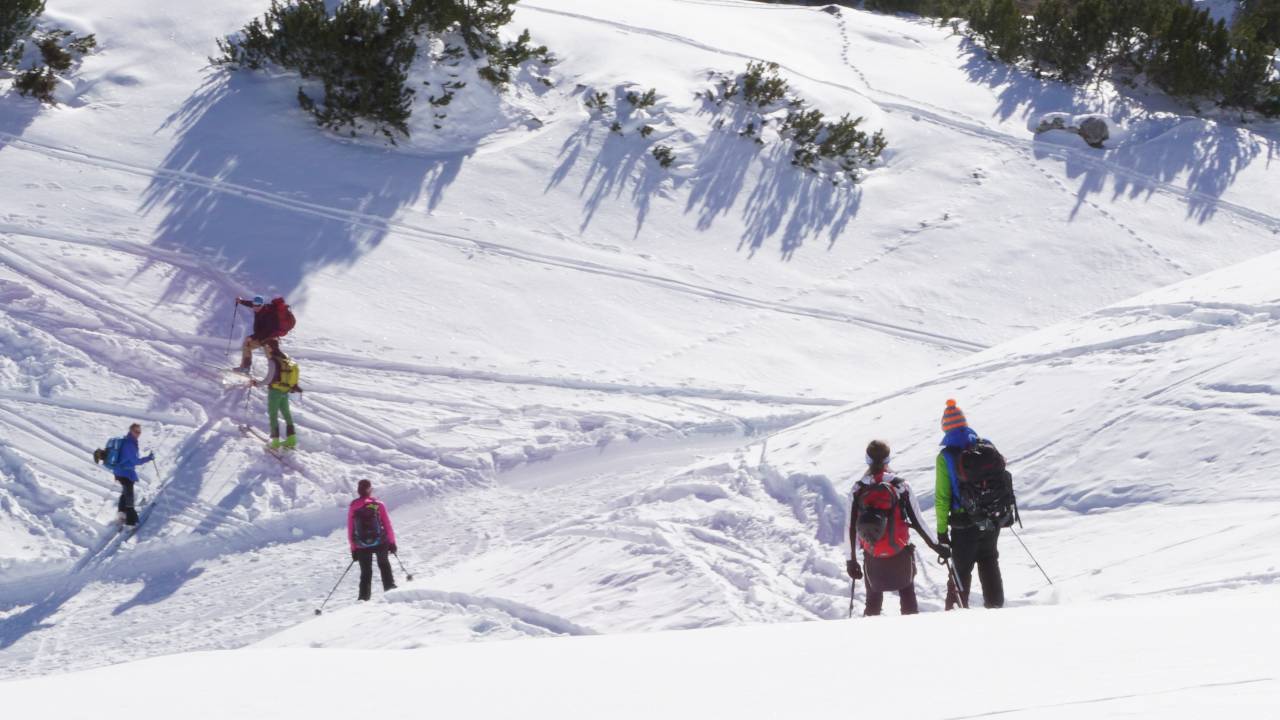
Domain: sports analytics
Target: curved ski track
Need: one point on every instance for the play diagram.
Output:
(937, 116)
(362, 220)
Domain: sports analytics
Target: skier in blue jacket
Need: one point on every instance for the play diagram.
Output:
(127, 474)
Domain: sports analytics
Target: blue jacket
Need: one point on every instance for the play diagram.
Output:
(946, 491)
(129, 459)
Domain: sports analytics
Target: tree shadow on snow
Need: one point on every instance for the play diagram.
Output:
(251, 184)
(728, 175)
(1020, 93)
(1200, 157)
(785, 202)
(622, 161)
(16, 115)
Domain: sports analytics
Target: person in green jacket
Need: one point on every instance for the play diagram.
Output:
(972, 540)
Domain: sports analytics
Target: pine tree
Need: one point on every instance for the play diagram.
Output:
(17, 21)
(360, 52)
(1000, 26)
(1263, 19)
(1053, 41)
(1190, 53)
(1245, 78)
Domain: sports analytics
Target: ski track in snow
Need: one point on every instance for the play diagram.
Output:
(54, 608)
(361, 220)
(945, 118)
(126, 597)
(173, 380)
(1023, 153)
(62, 625)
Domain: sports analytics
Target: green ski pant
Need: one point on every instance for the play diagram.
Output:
(277, 405)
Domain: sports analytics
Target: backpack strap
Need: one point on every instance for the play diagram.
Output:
(951, 455)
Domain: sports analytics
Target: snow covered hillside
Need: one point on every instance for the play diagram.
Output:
(563, 365)
(1145, 658)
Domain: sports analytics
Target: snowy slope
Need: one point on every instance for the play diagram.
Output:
(1146, 658)
(1141, 436)
(541, 298)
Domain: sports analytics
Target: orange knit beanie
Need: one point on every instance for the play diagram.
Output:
(953, 418)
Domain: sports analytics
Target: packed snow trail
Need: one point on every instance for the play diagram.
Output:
(220, 591)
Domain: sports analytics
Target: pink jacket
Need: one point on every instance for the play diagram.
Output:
(382, 514)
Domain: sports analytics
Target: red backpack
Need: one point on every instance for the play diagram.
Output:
(284, 317)
(878, 521)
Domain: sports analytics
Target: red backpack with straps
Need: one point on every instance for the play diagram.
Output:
(881, 529)
(284, 317)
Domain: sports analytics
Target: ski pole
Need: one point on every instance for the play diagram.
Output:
(159, 479)
(955, 578)
(235, 315)
(1033, 557)
(408, 575)
(853, 586)
(335, 587)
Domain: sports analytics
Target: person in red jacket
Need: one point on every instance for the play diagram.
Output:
(264, 328)
(369, 533)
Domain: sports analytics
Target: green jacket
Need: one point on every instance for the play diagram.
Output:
(942, 494)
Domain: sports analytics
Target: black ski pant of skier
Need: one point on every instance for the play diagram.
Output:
(126, 501)
(971, 545)
(365, 558)
(906, 601)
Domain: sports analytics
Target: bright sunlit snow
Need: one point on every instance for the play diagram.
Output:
(605, 398)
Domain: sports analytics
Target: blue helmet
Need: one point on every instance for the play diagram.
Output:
(258, 301)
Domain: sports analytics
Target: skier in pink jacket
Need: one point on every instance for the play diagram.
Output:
(369, 533)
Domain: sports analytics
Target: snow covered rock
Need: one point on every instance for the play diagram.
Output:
(1093, 129)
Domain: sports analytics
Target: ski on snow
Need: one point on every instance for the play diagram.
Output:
(256, 434)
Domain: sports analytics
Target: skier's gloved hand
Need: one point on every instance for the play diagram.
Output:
(944, 552)
(354, 556)
(944, 538)
(854, 570)
(149, 457)
(391, 548)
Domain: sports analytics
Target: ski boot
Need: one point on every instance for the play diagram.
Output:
(290, 442)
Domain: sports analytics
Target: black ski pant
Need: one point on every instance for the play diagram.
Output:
(126, 501)
(906, 601)
(969, 546)
(365, 558)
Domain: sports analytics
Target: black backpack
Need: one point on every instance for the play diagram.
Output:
(986, 487)
(367, 526)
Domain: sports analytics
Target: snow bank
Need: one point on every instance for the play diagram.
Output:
(1155, 657)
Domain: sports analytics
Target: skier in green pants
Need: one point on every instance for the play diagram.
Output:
(281, 380)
